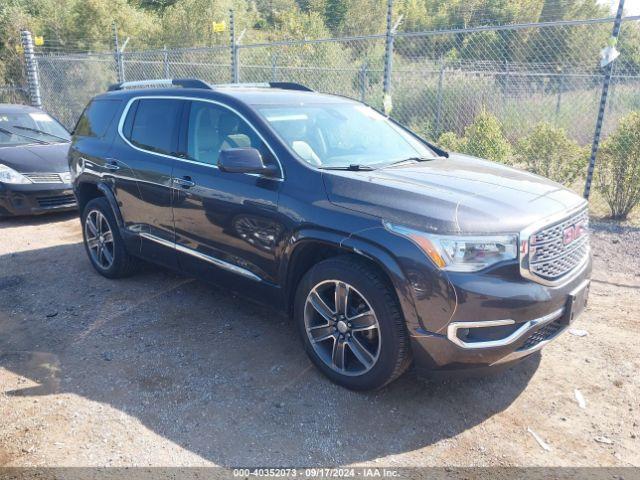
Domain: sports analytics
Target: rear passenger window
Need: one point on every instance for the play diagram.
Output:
(96, 118)
(154, 124)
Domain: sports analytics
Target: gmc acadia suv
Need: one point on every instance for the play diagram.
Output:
(385, 249)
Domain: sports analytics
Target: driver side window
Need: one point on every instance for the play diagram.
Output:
(213, 128)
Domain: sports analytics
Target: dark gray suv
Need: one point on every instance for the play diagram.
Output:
(385, 249)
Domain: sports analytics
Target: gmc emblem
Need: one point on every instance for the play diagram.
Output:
(573, 232)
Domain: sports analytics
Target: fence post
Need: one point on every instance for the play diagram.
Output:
(439, 99)
(274, 67)
(559, 100)
(117, 55)
(603, 103)
(362, 77)
(31, 66)
(165, 63)
(388, 61)
(235, 70)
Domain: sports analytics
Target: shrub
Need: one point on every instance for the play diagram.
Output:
(484, 138)
(618, 167)
(547, 151)
(450, 141)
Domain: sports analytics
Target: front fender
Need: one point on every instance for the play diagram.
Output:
(354, 244)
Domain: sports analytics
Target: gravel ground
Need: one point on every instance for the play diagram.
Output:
(163, 370)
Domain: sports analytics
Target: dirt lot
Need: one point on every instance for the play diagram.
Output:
(159, 369)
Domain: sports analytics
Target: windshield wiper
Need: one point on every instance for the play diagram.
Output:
(407, 160)
(11, 132)
(40, 131)
(354, 167)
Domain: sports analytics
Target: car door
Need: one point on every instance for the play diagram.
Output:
(148, 144)
(227, 224)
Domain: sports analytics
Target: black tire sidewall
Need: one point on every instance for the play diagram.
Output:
(370, 284)
(119, 253)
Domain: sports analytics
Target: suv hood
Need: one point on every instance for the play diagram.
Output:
(451, 195)
(36, 158)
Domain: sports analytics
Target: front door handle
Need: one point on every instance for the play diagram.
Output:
(184, 182)
(111, 164)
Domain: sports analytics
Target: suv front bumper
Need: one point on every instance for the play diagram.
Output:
(498, 321)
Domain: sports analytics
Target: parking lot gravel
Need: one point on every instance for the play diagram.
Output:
(163, 370)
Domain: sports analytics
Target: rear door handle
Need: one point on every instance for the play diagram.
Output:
(184, 182)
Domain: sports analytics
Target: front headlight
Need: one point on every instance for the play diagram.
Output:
(9, 175)
(461, 253)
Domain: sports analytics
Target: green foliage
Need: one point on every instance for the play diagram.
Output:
(618, 167)
(547, 151)
(450, 141)
(484, 138)
(335, 12)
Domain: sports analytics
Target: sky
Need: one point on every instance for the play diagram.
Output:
(632, 7)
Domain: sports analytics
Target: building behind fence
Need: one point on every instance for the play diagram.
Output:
(425, 89)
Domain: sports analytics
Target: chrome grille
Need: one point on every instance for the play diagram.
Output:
(44, 177)
(549, 257)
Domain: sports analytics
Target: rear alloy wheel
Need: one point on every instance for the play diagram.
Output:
(103, 242)
(351, 323)
(99, 238)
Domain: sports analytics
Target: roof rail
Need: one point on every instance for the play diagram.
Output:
(178, 82)
(195, 83)
(290, 86)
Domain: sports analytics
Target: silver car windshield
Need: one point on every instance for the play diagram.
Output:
(342, 135)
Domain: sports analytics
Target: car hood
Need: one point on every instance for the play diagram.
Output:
(459, 194)
(36, 158)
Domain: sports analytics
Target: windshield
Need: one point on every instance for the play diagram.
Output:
(343, 135)
(21, 128)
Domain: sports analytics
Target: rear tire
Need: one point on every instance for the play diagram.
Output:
(351, 324)
(103, 242)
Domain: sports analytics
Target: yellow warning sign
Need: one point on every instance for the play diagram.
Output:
(218, 27)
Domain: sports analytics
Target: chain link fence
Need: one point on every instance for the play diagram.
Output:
(532, 84)
(12, 94)
(431, 92)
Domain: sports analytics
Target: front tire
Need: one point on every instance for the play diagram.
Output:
(351, 324)
(103, 243)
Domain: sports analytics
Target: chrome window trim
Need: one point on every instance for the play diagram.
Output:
(207, 258)
(452, 330)
(523, 256)
(123, 117)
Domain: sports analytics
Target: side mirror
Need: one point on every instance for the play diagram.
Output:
(244, 160)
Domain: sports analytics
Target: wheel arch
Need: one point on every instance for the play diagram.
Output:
(309, 247)
(87, 191)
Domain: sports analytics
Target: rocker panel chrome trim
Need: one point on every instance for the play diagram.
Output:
(207, 258)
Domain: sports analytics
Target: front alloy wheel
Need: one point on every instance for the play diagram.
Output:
(351, 323)
(342, 327)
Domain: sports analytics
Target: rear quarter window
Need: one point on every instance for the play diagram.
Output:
(96, 118)
(152, 124)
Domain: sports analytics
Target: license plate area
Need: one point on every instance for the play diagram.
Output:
(577, 301)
